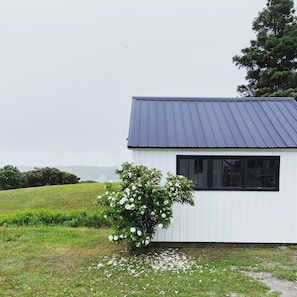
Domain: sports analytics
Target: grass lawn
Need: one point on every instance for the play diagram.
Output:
(59, 261)
(62, 261)
(65, 197)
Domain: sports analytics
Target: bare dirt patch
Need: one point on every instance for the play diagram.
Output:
(286, 288)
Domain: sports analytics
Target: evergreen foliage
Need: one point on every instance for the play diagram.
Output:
(271, 59)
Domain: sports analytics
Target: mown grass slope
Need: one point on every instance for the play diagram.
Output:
(61, 197)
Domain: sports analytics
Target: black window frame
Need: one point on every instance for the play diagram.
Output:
(243, 182)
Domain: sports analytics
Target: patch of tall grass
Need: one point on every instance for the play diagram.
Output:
(72, 218)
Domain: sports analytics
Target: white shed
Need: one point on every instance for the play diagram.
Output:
(241, 154)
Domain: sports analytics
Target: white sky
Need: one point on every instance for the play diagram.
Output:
(69, 68)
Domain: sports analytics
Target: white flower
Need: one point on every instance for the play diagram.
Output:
(115, 238)
(139, 233)
(131, 199)
(132, 230)
(99, 197)
(153, 213)
(163, 215)
(121, 236)
(166, 202)
(160, 226)
(123, 200)
(133, 188)
(130, 206)
(110, 237)
(147, 242)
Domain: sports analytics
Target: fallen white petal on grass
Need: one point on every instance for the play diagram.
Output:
(167, 260)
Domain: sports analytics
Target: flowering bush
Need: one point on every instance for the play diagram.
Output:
(142, 204)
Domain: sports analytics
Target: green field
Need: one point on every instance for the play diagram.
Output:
(52, 260)
(65, 197)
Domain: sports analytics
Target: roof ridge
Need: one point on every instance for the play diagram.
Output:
(221, 99)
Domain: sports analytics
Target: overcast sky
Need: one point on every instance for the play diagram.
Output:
(69, 68)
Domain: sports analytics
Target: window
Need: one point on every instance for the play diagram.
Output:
(231, 173)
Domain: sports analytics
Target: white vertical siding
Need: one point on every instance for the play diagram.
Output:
(231, 216)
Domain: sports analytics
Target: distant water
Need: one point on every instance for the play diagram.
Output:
(94, 173)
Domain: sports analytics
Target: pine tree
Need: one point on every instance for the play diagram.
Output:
(271, 59)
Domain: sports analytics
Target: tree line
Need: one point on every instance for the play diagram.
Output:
(12, 178)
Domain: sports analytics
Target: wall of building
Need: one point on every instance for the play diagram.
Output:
(231, 216)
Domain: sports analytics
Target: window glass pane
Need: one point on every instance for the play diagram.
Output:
(195, 170)
(183, 167)
(226, 173)
(261, 173)
(200, 167)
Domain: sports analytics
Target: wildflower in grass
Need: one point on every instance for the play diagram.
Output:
(142, 204)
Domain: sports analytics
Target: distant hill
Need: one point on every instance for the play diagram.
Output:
(95, 173)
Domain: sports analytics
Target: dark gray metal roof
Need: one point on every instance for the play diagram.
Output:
(213, 123)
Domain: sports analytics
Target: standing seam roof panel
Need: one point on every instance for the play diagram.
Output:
(268, 122)
(279, 122)
(242, 126)
(171, 125)
(229, 128)
(206, 126)
(232, 123)
(261, 120)
(179, 122)
(253, 123)
(144, 123)
(162, 127)
(287, 125)
(213, 122)
(195, 125)
(187, 125)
